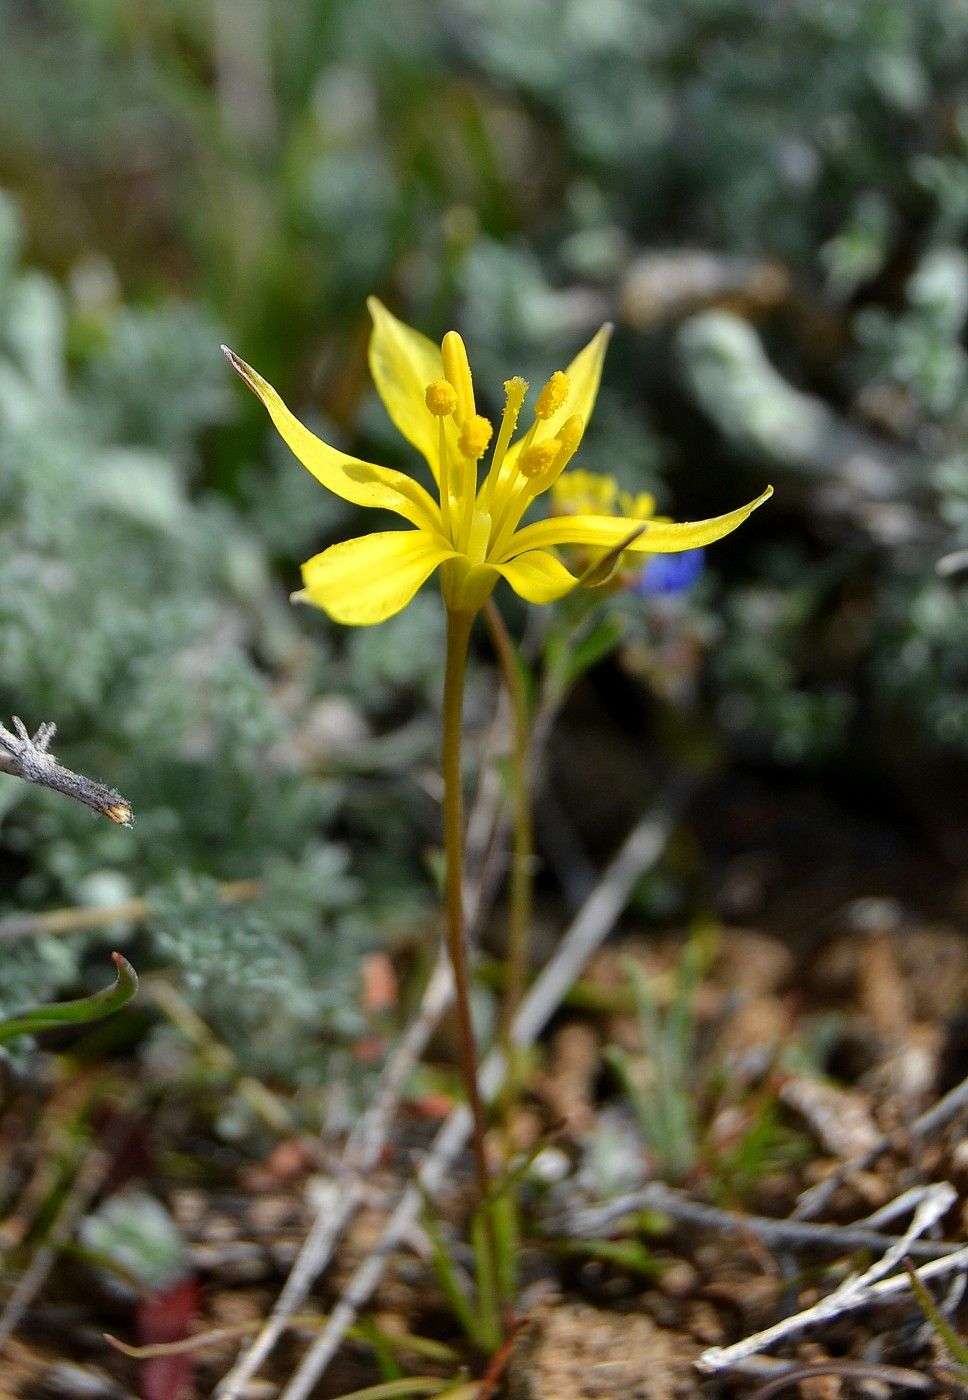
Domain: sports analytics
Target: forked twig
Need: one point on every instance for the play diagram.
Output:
(29, 758)
(930, 1203)
(641, 849)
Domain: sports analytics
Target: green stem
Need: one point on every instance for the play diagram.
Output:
(519, 901)
(458, 637)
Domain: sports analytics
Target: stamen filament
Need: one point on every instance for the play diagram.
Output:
(514, 392)
(443, 462)
(468, 498)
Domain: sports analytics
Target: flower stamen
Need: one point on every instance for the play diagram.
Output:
(539, 466)
(553, 396)
(441, 398)
(475, 435)
(514, 392)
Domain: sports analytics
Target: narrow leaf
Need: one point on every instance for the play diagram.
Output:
(72, 1013)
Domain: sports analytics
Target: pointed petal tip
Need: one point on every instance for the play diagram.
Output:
(243, 370)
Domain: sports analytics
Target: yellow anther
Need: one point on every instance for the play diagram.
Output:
(570, 434)
(457, 369)
(474, 437)
(553, 395)
(514, 392)
(536, 460)
(441, 398)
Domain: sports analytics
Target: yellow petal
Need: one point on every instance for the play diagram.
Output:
(363, 483)
(538, 576)
(370, 578)
(584, 375)
(607, 531)
(403, 362)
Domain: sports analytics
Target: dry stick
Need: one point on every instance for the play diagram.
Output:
(641, 849)
(815, 1199)
(363, 1148)
(29, 758)
(931, 1203)
(78, 918)
(847, 1370)
(785, 1234)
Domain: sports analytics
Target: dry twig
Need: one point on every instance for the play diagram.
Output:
(846, 1370)
(30, 758)
(814, 1200)
(594, 1221)
(79, 918)
(929, 1203)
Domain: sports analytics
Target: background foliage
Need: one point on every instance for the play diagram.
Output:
(770, 202)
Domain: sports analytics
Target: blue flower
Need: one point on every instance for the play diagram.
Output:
(666, 574)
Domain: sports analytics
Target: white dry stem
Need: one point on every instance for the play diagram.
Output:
(930, 1203)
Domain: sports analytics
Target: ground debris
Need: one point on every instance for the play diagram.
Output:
(570, 1351)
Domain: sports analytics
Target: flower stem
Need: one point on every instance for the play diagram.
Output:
(458, 637)
(519, 900)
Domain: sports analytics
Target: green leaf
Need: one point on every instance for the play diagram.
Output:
(74, 1013)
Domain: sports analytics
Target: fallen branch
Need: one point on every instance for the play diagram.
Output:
(930, 1203)
(30, 759)
(847, 1370)
(79, 918)
(641, 849)
(594, 1221)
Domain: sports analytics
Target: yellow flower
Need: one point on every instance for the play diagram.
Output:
(473, 530)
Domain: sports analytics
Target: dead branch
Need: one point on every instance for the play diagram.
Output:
(847, 1370)
(594, 1221)
(79, 918)
(30, 759)
(929, 1203)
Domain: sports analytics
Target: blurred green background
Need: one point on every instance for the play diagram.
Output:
(771, 203)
